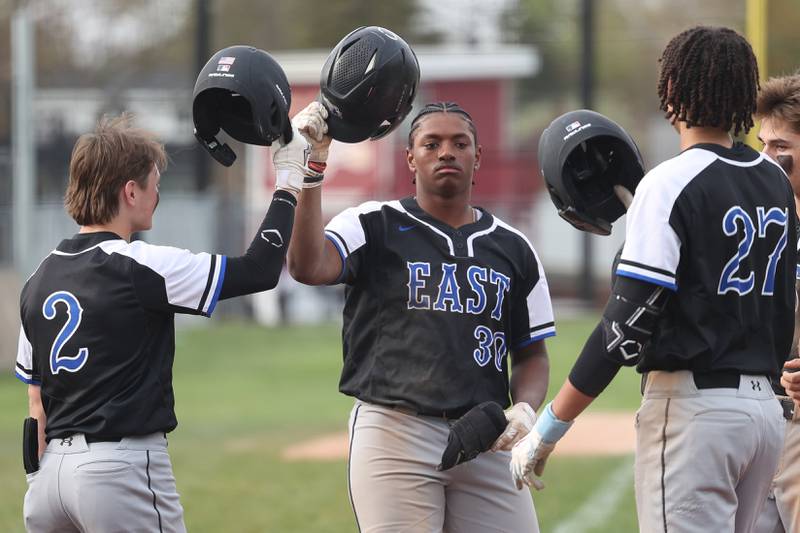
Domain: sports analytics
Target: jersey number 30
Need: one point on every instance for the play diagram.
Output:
(74, 310)
(731, 279)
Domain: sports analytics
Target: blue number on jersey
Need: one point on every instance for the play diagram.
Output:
(781, 218)
(74, 313)
(483, 354)
(728, 281)
(499, 350)
(491, 345)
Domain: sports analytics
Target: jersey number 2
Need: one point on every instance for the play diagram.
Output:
(74, 312)
(729, 281)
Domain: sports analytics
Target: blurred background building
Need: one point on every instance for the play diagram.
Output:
(514, 64)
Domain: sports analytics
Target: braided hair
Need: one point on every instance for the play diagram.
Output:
(441, 107)
(709, 77)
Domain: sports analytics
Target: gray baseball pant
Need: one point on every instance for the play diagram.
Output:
(395, 488)
(705, 458)
(781, 511)
(104, 487)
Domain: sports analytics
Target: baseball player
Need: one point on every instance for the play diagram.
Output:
(703, 302)
(438, 292)
(778, 110)
(97, 340)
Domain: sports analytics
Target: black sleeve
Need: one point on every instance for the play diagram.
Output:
(260, 267)
(593, 370)
(629, 321)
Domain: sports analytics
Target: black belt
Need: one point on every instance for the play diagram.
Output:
(707, 380)
(91, 439)
(716, 380)
(447, 414)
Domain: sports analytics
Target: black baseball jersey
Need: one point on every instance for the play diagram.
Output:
(98, 331)
(431, 311)
(713, 224)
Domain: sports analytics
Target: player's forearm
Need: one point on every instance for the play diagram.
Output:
(260, 267)
(570, 402)
(36, 410)
(307, 249)
(530, 378)
(590, 375)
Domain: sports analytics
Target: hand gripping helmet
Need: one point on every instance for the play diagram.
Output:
(368, 84)
(585, 158)
(243, 91)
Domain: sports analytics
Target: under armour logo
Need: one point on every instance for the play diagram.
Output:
(66, 441)
(755, 384)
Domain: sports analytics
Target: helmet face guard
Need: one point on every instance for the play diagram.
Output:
(243, 91)
(584, 157)
(368, 84)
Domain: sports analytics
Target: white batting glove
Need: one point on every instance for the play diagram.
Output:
(530, 454)
(291, 163)
(311, 123)
(521, 418)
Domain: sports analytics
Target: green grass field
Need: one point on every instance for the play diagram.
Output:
(244, 393)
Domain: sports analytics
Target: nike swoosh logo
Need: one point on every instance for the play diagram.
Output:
(406, 228)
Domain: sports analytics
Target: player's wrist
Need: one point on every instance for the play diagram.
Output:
(314, 174)
(523, 412)
(549, 426)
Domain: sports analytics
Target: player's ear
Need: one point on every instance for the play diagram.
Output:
(128, 192)
(412, 165)
(477, 156)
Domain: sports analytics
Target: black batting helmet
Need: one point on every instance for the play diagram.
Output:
(368, 84)
(243, 91)
(583, 155)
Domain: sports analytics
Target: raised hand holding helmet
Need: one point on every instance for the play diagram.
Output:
(291, 164)
(368, 84)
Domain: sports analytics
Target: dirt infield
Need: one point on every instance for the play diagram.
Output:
(597, 433)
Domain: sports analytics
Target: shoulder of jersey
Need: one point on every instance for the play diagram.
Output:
(678, 170)
(372, 206)
(522, 238)
(147, 254)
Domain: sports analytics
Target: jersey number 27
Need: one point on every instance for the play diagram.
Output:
(731, 279)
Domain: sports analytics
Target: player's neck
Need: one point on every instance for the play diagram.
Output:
(114, 226)
(454, 212)
(703, 135)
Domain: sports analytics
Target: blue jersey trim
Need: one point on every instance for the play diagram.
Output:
(26, 380)
(797, 272)
(535, 338)
(654, 281)
(220, 281)
(341, 255)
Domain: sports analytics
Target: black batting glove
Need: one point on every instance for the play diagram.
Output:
(473, 433)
